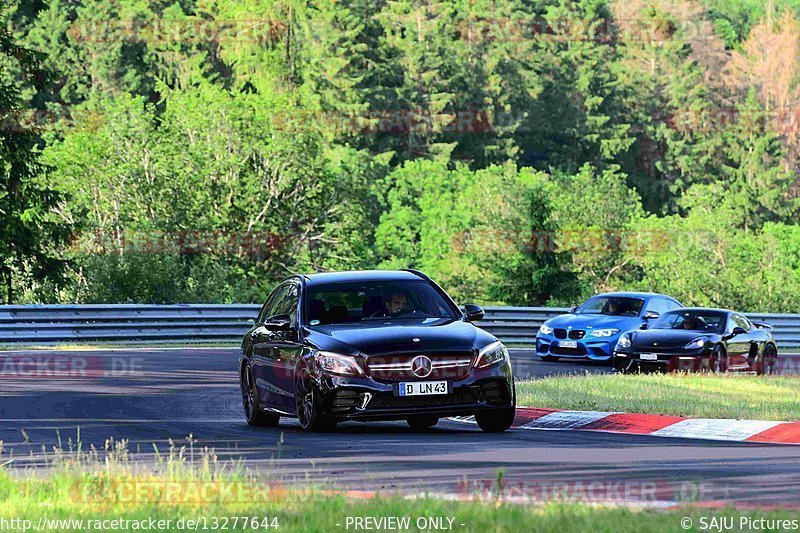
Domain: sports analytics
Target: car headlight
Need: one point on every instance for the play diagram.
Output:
(694, 344)
(491, 355)
(624, 341)
(544, 329)
(604, 332)
(335, 363)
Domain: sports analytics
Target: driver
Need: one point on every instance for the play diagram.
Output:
(397, 303)
(690, 323)
(613, 307)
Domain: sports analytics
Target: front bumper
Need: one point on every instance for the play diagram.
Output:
(684, 361)
(588, 348)
(365, 398)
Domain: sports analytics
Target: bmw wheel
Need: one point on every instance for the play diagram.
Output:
(309, 401)
(252, 407)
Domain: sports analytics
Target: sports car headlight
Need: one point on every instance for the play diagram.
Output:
(604, 332)
(624, 342)
(335, 363)
(544, 329)
(491, 355)
(694, 344)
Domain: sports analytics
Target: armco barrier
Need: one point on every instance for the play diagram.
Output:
(225, 324)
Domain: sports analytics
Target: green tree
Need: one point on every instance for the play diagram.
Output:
(30, 234)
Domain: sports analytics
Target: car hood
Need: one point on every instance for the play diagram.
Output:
(389, 337)
(623, 323)
(666, 338)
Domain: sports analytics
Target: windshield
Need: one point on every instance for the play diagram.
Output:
(611, 305)
(338, 303)
(707, 321)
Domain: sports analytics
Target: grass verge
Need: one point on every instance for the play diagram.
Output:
(186, 488)
(690, 395)
(61, 500)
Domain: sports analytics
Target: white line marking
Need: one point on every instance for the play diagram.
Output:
(713, 429)
(566, 420)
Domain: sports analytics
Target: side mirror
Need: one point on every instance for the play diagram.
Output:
(738, 330)
(573, 308)
(650, 315)
(259, 334)
(278, 323)
(474, 312)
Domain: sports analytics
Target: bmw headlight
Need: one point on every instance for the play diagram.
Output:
(335, 363)
(544, 329)
(491, 355)
(604, 332)
(624, 341)
(694, 344)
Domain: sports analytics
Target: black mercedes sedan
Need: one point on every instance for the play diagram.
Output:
(697, 339)
(372, 345)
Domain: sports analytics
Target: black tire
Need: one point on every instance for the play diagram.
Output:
(308, 401)
(421, 422)
(496, 420)
(252, 407)
(770, 362)
(548, 358)
(717, 363)
(623, 367)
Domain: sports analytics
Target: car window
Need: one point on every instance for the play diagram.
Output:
(658, 305)
(337, 303)
(612, 305)
(672, 304)
(269, 305)
(740, 321)
(287, 303)
(693, 320)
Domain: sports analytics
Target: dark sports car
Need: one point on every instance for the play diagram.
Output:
(372, 345)
(592, 330)
(695, 339)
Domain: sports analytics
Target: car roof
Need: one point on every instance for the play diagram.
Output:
(362, 275)
(634, 295)
(707, 309)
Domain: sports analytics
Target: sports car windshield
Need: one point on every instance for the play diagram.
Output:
(611, 305)
(338, 303)
(707, 321)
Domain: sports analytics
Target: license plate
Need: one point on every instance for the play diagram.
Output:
(648, 357)
(422, 388)
(568, 344)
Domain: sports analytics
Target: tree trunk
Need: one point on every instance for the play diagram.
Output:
(9, 288)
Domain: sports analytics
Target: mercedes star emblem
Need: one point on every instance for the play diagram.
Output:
(421, 366)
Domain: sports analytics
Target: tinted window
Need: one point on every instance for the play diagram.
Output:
(269, 305)
(697, 320)
(739, 321)
(375, 300)
(286, 303)
(612, 305)
(659, 305)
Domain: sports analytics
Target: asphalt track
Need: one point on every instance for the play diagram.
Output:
(152, 395)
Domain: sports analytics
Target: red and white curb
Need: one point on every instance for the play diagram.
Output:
(657, 425)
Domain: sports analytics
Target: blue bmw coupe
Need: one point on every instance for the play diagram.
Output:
(591, 330)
